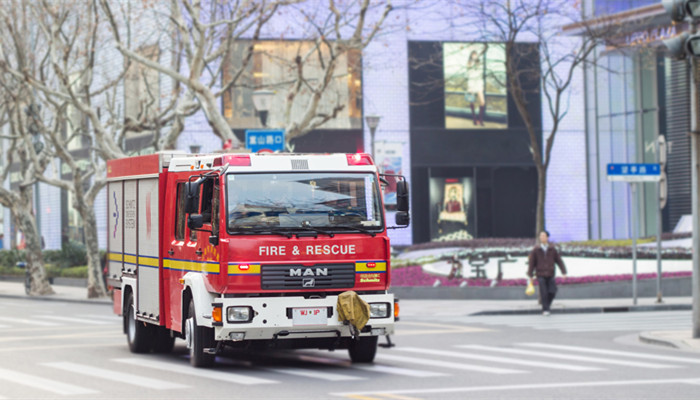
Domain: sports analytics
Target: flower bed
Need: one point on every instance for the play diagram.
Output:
(414, 276)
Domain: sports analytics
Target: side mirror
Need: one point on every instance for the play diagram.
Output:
(195, 221)
(192, 196)
(403, 218)
(214, 240)
(402, 196)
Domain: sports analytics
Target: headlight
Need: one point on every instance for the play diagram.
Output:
(378, 310)
(239, 314)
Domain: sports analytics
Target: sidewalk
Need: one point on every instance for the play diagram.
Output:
(682, 340)
(15, 290)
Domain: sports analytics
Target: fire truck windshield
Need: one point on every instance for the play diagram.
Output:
(289, 201)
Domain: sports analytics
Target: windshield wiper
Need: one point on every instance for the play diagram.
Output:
(354, 228)
(263, 230)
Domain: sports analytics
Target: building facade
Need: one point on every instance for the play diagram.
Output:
(447, 123)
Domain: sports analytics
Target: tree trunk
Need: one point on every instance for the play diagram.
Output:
(39, 284)
(541, 196)
(95, 283)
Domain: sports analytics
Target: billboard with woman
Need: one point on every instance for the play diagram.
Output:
(475, 86)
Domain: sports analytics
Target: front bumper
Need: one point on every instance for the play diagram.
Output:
(272, 319)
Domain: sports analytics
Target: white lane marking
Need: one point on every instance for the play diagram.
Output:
(327, 376)
(76, 320)
(112, 318)
(450, 365)
(563, 385)
(121, 377)
(38, 382)
(507, 360)
(636, 328)
(188, 370)
(4, 326)
(549, 354)
(612, 352)
(28, 321)
(399, 371)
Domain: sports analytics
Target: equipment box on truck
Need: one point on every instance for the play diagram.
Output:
(251, 250)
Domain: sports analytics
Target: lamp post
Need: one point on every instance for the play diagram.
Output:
(372, 123)
(261, 101)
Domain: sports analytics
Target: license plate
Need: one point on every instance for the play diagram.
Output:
(309, 316)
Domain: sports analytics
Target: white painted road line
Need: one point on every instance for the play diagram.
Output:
(188, 370)
(549, 354)
(107, 317)
(450, 365)
(612, 352)
(496, 359)
(38, 382)
(28, 321)
(116, 376)
(399, 371)
(562, 385)
(74, 320)
(308, 373)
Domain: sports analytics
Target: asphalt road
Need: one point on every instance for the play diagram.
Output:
(56, 350)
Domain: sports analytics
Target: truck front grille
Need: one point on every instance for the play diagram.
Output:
(298, 277)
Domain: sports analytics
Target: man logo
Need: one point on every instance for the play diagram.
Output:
(309, 282)
(308, 272)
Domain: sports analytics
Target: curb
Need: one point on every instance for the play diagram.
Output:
(646, 337)
(104, 301)
(589, 310)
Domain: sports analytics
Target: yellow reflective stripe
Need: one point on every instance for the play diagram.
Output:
(379, 266)
(129, 259)
(115, 257)
(212, 268)
(148, 261)
(253, 269)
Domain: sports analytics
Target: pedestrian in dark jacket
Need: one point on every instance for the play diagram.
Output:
(541, 263)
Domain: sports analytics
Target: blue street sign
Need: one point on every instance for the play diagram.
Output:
(267, 140)
(634, 172)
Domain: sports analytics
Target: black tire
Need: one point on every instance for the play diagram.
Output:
(163, 342)
(139, 334)
(363, 350)
(198, 338)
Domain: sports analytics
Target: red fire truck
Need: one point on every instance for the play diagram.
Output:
(249, 250)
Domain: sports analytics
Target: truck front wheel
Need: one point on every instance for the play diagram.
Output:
(139, 335)
(363, 350)
(198, 338)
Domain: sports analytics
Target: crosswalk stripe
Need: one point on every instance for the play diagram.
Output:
(326, 376)
(620, 328)
(567, 356)
(112, 317)
(533, 363)
(450, 365)
(121, 377)
(612, 352)
(188, 370)
(28, 321)
(38, 382)
(73, 319)
(399, 371)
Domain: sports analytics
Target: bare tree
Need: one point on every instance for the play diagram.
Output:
(18, 117)
(78, 82)
(541, 60)
(206, 33)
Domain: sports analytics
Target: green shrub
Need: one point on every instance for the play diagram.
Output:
(73, 254)
(9, 258)
(74, 272)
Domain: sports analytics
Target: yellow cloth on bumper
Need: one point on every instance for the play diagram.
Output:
(353, 309)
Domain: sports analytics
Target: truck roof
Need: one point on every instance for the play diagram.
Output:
(179, 161)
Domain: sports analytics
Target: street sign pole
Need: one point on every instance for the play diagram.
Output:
(633, 189)
(633, 174)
